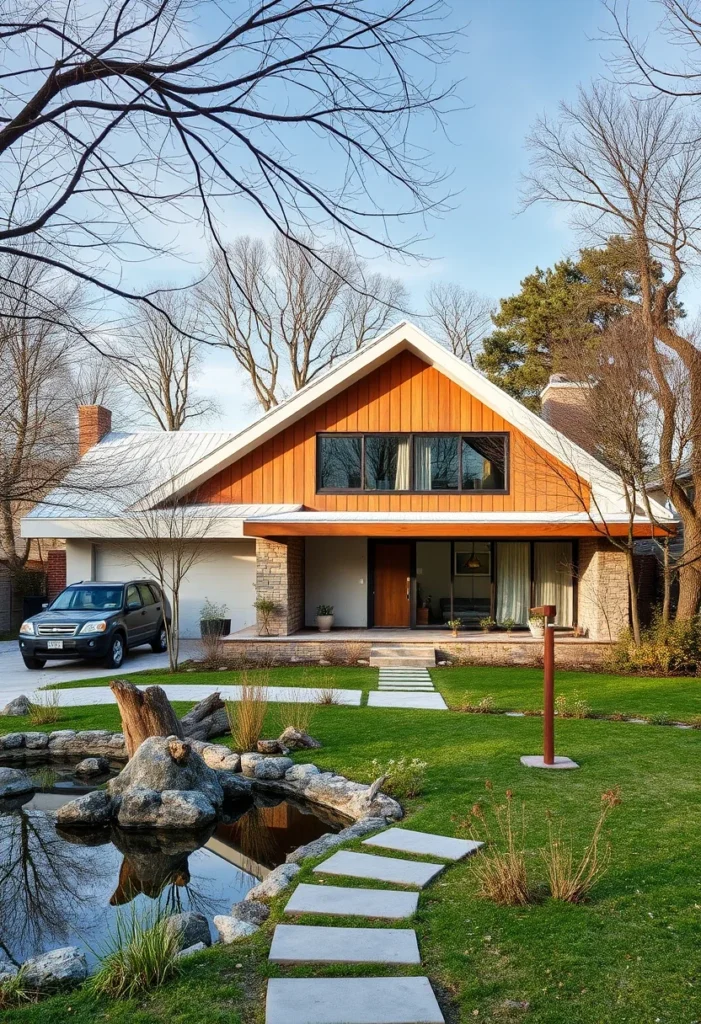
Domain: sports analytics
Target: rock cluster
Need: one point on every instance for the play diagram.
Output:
(65, 743)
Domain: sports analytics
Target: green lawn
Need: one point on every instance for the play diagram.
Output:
(521, 689)
(628, 956)
(320, 676)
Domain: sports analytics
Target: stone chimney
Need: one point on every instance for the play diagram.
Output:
(564, 405)
(94, 421)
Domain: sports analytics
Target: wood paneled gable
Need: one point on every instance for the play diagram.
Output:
(405, 394)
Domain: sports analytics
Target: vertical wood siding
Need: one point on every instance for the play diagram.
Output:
(403, 395)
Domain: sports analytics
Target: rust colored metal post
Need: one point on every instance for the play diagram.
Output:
(549, 687)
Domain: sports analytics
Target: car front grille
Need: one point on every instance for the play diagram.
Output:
(57, 629)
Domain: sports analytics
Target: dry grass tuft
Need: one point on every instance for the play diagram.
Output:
(327, 693)
(297, 712)
(500, 869)
(570, 881)
(45, 708)
(247, 715)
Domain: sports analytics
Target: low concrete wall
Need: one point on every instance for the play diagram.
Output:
(285, 652)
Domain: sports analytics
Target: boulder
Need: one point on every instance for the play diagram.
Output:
(61, 736)
(92, 766)
(294, 739)
(13, 782)
(230, 929)
(190, 928)
(217, 756)
(251, 911)
(7, 970)
(235, 786)
(276, 882)
(270, 747)
(197, 947)
(351, 798)
(61, 968)
(301, 771)
(167, 764)
(91, 809)
(17, 707)
(36, 740)
(249, 761)
(13, 741)
(272, 768)
(173, 808)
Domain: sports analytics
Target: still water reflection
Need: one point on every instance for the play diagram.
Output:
(65, 887)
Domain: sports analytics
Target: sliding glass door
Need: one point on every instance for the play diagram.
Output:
(513, 582)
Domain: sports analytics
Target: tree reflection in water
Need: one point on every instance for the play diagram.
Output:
(40, 878)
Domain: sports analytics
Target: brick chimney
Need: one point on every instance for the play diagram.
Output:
(564, 405)
(94, 421)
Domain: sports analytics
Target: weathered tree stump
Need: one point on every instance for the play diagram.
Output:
(206, 719)
(144, 713)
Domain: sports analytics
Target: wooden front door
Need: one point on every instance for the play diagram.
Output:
(392, 588)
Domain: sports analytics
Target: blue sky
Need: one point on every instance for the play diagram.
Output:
(520, 58)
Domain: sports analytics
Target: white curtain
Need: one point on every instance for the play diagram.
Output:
(402, 477)
(552, 570)
(422, 463)
(513, 582)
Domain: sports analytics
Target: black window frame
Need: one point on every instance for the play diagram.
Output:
(411, 435)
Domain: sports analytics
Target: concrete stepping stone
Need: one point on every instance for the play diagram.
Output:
(380, 869)
(392, 904)
(406, 699)
(303, 943)
(423, 843)
(351, 1001)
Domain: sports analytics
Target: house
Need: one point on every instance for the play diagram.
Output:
(401, 487)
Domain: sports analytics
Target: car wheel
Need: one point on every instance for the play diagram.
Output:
(33, 663)
(159, 644)
(116, 652)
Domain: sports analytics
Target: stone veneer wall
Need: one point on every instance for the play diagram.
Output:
(280, 578)
(603, 605)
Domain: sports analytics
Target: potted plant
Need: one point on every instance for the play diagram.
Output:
(324, 617)
(454, 625)
(488, 624)
(423, 609)
(213, 621)
(508, 625)
(536, 624)
(265, 608)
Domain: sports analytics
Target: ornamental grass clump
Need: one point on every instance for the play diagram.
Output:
(326, 693)
(297, 712)
(142, 954)
(484, 706)
(45, 708)
(570, 880)
(572, 707)
(14, 992)
(404, 778)
(500, 869)
(247, 714)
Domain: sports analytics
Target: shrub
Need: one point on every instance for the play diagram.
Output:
(695, 721)
(45, 708)
(404, 778)
(572, 707)
(508, 624)
(211, 610)
(488, 624)
(266, 609)
(142, 955)
(660, 718)
(665, 647)
(570, 881)
(324, 609)
(247, 715)
(500, 869)
(298, 713)
(484, 706)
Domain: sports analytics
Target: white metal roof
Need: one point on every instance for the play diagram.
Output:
(568, 518)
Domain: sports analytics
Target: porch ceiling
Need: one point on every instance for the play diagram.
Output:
(442, 524)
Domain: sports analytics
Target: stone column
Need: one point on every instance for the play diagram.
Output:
(603, 600)
(280, 578)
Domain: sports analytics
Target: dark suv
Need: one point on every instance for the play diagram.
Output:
(97, 620)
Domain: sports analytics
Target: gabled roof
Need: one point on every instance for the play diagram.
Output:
(606, 488)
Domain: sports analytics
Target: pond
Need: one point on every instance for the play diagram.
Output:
(66, 888)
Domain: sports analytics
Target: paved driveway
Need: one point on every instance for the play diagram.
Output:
(16, 679)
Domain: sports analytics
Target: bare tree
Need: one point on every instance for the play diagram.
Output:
(160, 360)
(461, 318)
(680, 25)
(120, 122)
(38, 441)
(631, 167)
(287, 317)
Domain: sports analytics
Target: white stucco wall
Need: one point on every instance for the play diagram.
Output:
(336, 572)
(80, 560)
(224, 572)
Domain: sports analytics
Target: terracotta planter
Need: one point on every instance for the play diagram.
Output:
(324, 623)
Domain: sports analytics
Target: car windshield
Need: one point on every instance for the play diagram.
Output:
(89, 598)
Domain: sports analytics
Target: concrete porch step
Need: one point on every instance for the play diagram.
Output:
(380, 661)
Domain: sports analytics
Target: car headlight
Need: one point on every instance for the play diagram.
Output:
(99, 626)
(27, 628)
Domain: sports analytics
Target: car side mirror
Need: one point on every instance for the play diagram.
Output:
(132, 606)
(45, 606)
